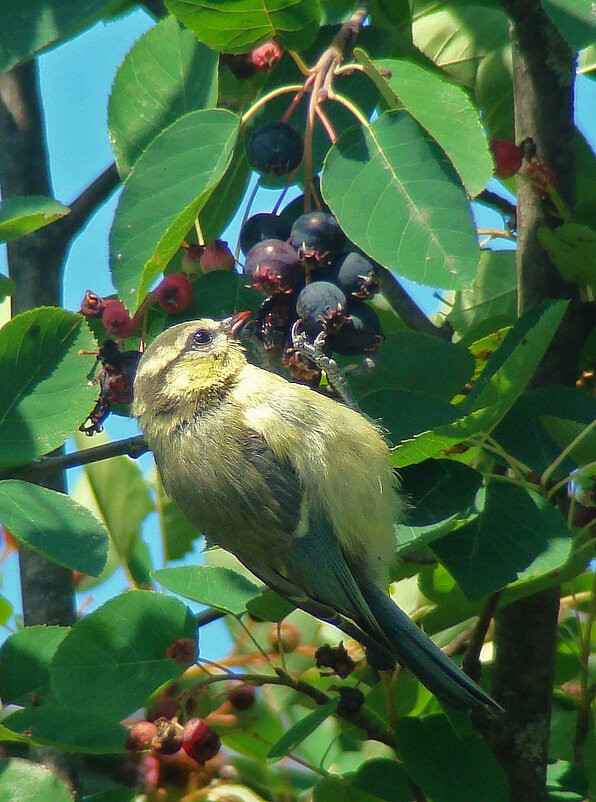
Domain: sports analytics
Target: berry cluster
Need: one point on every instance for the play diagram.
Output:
(315, 280)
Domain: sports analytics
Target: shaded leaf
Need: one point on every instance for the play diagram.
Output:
(19, 216)
(574, 19)
(54, 525)
(113, 659)
(384, 778)
(336, 789)
(517, 535)
(269, 606)
(25, 658)
(221, 588)
(227, 196)
(44, 392)
(572, 249)
(394, 171)
(7, 286)
(494, 92)
(25, 781)
(296, 734)
(404, 414)
(438, 489)
(564, 431)
(238, 26)
(442, 108)
(164, 193)
(165, 75)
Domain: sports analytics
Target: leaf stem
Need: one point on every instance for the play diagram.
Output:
(565, 452)
(281, 90)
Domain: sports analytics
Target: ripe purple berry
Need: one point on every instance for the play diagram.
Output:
(322, 307)
(263, 226)
(275, 148)
(276, 316)
(273, 266)
(317, 236)
(355, 275)
(360, 334)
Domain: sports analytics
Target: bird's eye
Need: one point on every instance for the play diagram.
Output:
(201, 337)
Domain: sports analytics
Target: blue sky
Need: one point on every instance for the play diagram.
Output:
(79, 150)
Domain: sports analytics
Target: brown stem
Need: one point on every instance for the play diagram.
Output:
(471, 662)
(86, 204)
(406, 307)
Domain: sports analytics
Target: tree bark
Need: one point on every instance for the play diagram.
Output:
(525, 632)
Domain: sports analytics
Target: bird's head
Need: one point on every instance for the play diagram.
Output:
(188, 362)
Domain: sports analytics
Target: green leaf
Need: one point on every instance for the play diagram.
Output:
(69, 729)
(442, 108)
(25, 659)
(462, 769)
(121, 494)
(296, 734)
(336, 789)
(574, 19)
(405, 414)
(565, 431)
(116, 794)
(27, 29)
(269, 606)
(25, 781)
(572, 249)
(179, 533)
(216, 587)
(237, 26)
(7, 287)
(168, 186)
(384, 778)
(517, 536)
(227, 196)
(113, 659)
(22, 215)
(494, 92)
(54, 525)
(165, 75)
(437, 489)
(393, 170)
(492, 296)
(44, 392)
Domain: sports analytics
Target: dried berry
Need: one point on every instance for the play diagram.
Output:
(263, 226)
(115, 379)
(168, 736)
(350, 701)
(92, 305)
(336, 658)
(217, 256)
(174, 293)
(273, 266)
(507, 157)
(275, 148)
(183, 651)
(276, 316)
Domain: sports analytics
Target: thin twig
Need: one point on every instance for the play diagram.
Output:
(471, 662)
(87, 202)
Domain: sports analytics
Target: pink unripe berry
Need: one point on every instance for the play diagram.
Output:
(117, 320)
(174, 293)
(191, 259)
(266, 56)
(217, 256)
(140, 736)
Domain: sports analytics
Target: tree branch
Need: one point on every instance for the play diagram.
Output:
(407, 309)
(87, 202)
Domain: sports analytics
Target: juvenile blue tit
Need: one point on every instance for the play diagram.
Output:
(298, 486)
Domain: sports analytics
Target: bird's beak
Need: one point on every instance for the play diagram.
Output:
(235, 323)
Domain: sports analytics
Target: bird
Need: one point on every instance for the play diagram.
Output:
(298, 486)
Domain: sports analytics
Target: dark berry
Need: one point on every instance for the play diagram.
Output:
(263, 226)
(360, 334)
(276, 316)
(204, 748)
(239, 64)
(266, 56)
(350, 701)
(317, 236)
(336, 658)
(140, 736)
(322, 307)
(168, 736)
(217, 256)
(507, 157)
(273, 266)
(356, 276)
(243, 697)
(174, 293)
(117, 320)
(275, 149)
(194, 730)
(93, 305)
(163, 707)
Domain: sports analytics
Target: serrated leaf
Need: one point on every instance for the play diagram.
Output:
(393, 170)
(463, 768)
(517, 535)
(25, 658)
(68, 728)
(44, 392)
(54, 525)
(442, 108)
(296, 734)
(572, 250)
(238, 26)
(121, 494)
(216, 587)
(22, 215)
(168, 186)
(25, 781)
(165, 75)
(27, 29)
(113, 659)
(564, 432)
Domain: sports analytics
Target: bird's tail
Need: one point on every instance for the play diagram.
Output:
(414, 650)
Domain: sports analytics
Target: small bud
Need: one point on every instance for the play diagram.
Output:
(182, 651)
(266, 56)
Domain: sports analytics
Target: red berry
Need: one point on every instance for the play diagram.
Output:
(191, 259)
(140, 736)
(242, 697)
(174, 293)
(542, 178)
(117, 320)
(507, 157)
(92, 305)
(266, 56)
(194, 730)
(217, 256)
(202, 748)
(77, 577)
